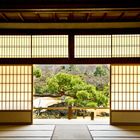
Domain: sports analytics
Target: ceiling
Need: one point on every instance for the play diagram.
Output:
(70, 15)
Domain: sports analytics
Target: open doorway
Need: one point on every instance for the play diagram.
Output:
(71, 91)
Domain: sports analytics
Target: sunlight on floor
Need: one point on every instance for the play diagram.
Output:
(72, 121)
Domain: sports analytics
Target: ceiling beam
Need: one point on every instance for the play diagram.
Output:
(55, 17)
(121, 15)
(94, 25)
(4, 16)
(70, 17)
(38, 16)
(104, 16)
(138, 15)
(21, 17)
(88, 16)
(48, 10)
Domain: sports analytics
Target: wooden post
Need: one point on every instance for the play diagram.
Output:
(92, 115)
(70, 112)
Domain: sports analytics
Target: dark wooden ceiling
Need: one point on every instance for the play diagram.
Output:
(81, 15)
(95, 12)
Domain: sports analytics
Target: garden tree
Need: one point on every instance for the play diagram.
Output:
(76, 91)
(106, 90)
(37, 72)
(102, 99)
(38, 88)
(100, 71)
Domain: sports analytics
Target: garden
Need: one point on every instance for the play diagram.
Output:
(63, 91)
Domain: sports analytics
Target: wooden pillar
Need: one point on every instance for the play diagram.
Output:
(92, 115)
(70, 112)
(71, 46)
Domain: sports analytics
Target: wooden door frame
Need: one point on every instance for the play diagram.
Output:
(70, 59)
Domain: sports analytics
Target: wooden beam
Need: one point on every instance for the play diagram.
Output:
(21, 17)
(94, 25)
(4, 16)
(104, 16)
(70, 61)
(71, 10)
(138, 15)
(71, 46)
(88, 15)
(55, 17)
(70, 17)
(38, 16)
(121, 15)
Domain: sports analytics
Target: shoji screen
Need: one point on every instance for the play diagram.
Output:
(15, 46)
(15, 94)
(125, 94)
(92, 46)
(126, 45)
(50, 46)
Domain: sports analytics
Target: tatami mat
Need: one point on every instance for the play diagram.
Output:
(71, 132)
(112, 128)
(109, 132)
(25, 138)
(26, 132)
(116, 138)
(27, 127)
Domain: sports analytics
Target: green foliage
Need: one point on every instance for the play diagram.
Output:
(82, 95)
(102, 100)
(81, 103)
(100, 71)
(39, 89)
(71, 83)
(37, 72)
(65, 84)
(91, 104)
(70, 101)
(106, 90)
(59, 84)
(78, 92)
(52, 86)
